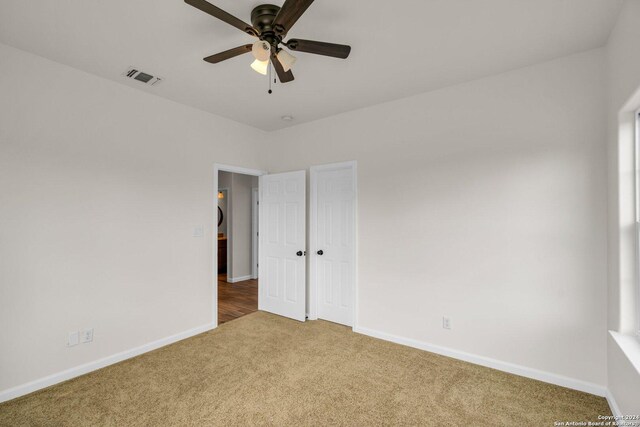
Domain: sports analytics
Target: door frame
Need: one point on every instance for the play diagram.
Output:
(255, 206)
(218, 167)
(313, 228)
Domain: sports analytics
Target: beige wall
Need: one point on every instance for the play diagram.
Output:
(496, 194)
(623, 72)
(495, 191)
(101, 187)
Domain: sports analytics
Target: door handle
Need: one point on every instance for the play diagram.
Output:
(299, 253)
(320, 252)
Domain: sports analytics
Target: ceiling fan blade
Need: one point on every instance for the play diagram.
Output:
(216, 12)
(289, 14)
(284, 76)
(319, 48)
(228, 54)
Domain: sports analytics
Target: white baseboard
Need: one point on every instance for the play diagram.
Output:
(239, 279)
(547, 377)
(511, 368)
(615, 409)
(50, 380)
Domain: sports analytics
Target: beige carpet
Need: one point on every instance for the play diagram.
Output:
(266, 370)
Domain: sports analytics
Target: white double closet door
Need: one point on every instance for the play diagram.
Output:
(283, 250)
(333, 241)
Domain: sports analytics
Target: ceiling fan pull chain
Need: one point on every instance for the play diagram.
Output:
(270, 91)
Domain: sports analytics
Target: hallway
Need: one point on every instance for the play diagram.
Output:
(236, 299)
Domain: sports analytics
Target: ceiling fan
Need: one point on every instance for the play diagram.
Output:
(271, 25)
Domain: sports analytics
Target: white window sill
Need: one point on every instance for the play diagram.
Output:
(630, 346)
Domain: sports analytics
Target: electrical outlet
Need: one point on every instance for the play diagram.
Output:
(73, 339)
(446, 323)
(86, 335)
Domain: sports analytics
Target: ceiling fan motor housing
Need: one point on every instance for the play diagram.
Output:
(262, 19)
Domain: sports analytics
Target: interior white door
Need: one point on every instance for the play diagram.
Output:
(281, 269)
(333, 260)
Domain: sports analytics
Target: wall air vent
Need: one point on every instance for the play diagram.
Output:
(136, 74)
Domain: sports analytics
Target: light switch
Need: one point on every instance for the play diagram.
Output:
(198, 231)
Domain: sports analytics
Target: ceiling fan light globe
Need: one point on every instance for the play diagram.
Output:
(260, 66)
(261, 50)
(286, 59)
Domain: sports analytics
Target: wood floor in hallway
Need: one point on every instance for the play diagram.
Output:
(236, 299)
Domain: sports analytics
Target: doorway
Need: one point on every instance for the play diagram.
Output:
(278, 209)
(235, 246)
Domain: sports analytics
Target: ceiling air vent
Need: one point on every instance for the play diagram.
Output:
(136, 74)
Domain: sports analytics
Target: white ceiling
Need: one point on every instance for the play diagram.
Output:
(400, 48)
